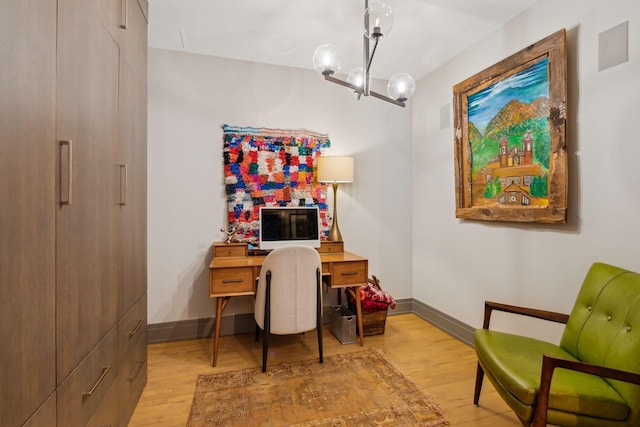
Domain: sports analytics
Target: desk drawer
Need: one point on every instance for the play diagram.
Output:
(346, 273)
(232, 280)
(327, 247)
(231, 250)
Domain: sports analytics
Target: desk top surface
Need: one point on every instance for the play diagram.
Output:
(257, 260)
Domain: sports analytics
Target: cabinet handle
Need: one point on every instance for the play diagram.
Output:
(87, 394)
(232, 281)
(69, 184)
(138, 370)
(349, 273)
(135, 330)
(124, 183)
(125, 13)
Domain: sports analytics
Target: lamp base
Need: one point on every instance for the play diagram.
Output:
(334, 232)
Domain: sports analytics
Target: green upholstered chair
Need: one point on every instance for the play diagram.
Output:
(592, 378)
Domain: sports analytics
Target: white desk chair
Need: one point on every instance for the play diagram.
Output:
(289, 295)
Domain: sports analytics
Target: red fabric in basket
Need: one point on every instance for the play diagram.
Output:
(369, 292)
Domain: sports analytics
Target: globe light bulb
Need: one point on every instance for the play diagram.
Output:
(378, 20)
(401, 87)
(327, 59)
(356, 77)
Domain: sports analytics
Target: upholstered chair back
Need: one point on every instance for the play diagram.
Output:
(294, 290)
(604, 327)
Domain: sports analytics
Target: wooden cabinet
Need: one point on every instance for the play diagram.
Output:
(27, 209)
(87, 219)
(132, 251)
(133, 156)
(72, 211)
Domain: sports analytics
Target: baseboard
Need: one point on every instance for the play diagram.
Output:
(444, 322)
(244, 323)
(199, 328)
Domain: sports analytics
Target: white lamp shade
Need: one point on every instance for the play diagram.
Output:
(335, 169)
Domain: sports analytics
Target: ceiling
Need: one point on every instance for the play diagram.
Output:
(425, 34)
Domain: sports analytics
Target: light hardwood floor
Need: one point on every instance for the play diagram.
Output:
(438, 363)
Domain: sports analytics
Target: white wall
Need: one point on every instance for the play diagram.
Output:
(457, 264)
(190, 97)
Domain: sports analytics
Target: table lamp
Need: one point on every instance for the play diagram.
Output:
(335, 169)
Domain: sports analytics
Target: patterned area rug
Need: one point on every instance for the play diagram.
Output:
(355, 389)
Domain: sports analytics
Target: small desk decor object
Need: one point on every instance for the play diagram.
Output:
(510, 136)
(232, 235)
(233, 272)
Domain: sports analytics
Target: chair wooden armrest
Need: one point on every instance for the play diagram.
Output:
(489, 306)
(549, 363)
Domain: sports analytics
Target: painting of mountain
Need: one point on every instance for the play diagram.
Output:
(510, 121)
(509, 137)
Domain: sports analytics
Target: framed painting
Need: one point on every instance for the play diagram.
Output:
(510, 133)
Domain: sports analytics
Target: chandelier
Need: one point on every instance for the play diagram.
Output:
(378, 20)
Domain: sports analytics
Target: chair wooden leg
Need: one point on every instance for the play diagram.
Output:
(479, 378)
(319, 317)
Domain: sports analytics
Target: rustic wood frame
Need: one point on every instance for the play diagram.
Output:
(554, 48)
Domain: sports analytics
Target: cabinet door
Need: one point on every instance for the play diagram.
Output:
(27, 208)
(133, 35)
(87, 219)
(133, 158)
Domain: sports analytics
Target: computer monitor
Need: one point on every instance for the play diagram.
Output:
(286, 226)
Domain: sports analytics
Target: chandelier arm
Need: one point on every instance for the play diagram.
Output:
(386, 98)
(373, 52)
(343, 83)
(358, 90)
(365, 61)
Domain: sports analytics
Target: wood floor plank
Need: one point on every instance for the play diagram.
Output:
(438, 363)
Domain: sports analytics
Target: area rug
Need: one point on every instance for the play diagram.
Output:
(354, 389)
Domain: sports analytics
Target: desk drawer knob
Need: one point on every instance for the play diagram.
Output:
(349, 273)
(232, 281)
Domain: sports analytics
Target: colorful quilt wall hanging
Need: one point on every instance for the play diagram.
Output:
(271, 167)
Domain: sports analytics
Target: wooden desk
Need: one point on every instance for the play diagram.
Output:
(234, 273)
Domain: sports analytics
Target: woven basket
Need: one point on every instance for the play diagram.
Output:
(373, 322)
